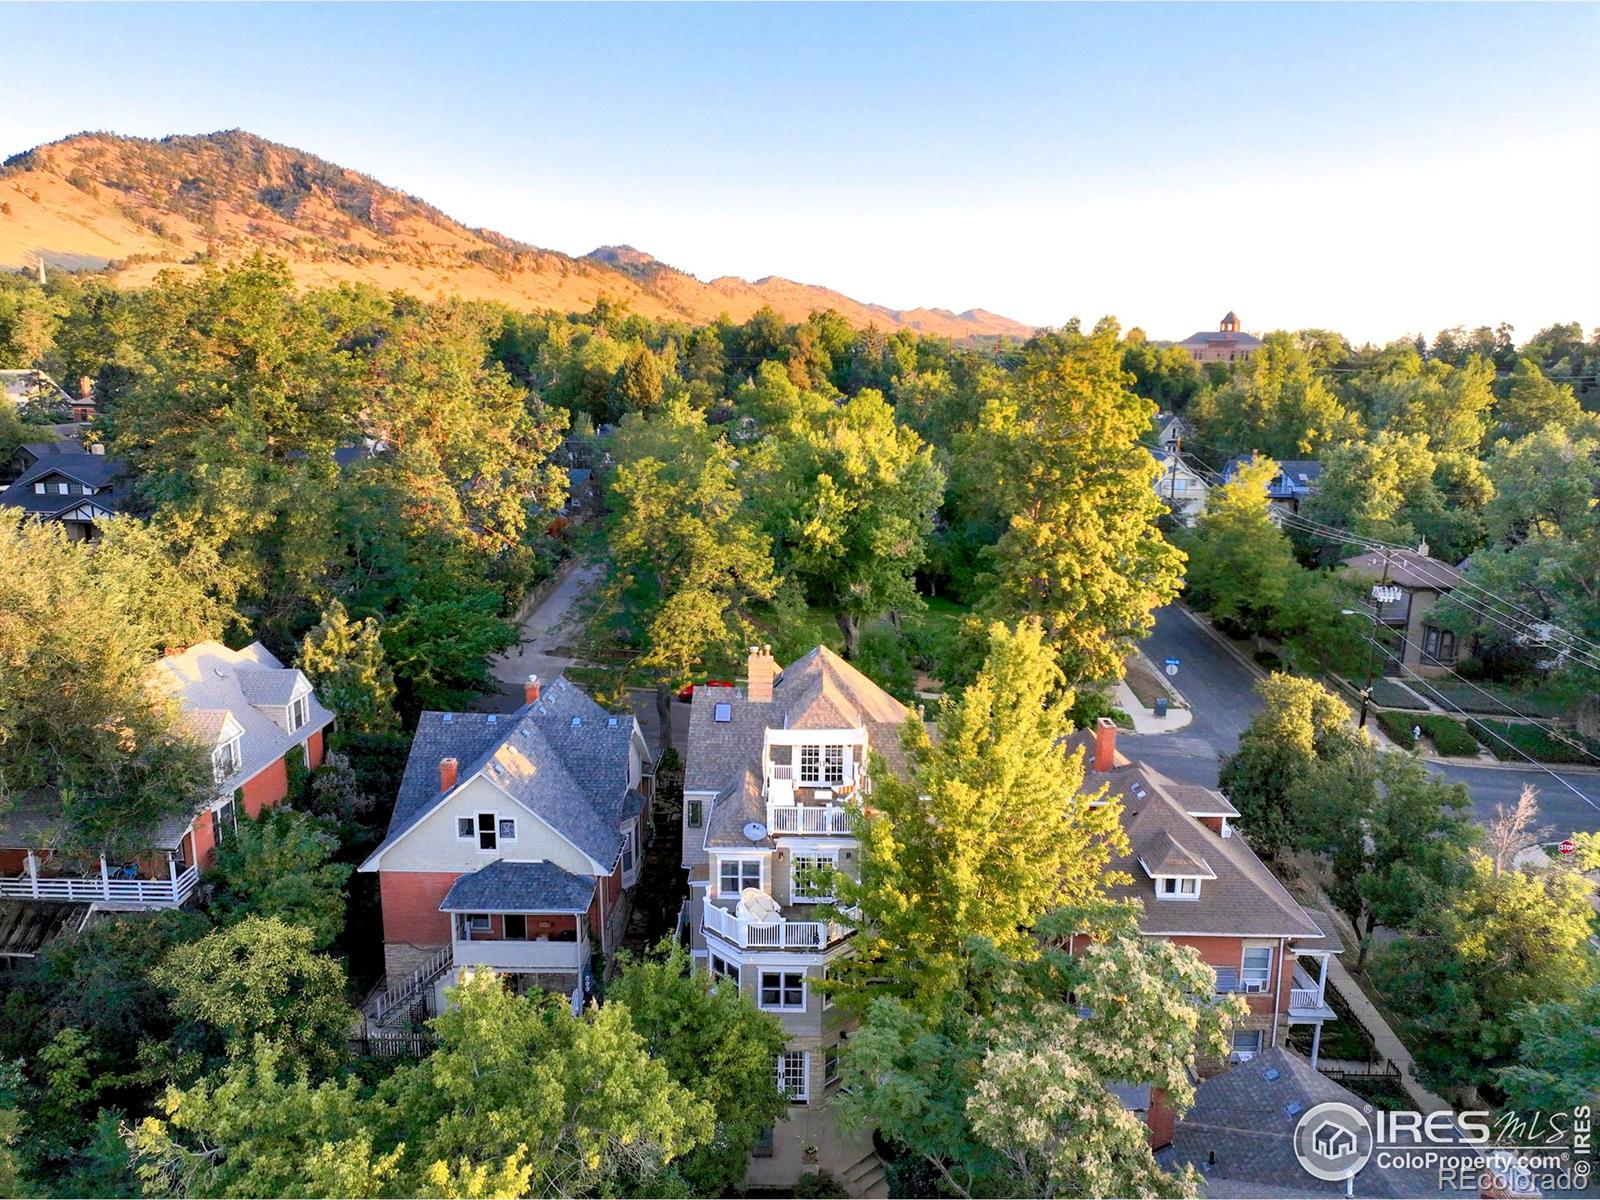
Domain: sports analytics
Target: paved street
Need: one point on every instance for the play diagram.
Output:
(1220, 689)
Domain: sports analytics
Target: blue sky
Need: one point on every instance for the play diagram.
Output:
(1376, 169)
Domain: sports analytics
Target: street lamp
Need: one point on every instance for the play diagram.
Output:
(1372, 660)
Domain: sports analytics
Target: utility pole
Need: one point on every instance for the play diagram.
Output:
(1378, 593)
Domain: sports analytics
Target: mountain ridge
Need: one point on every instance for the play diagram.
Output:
(139, 205)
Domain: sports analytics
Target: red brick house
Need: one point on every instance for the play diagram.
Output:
(1201, 885)
(512, 844)
(251, 713)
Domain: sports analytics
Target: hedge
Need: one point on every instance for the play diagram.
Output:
(1535, 741)
(1449, 737)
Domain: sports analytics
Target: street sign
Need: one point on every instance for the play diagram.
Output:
(1568, 846)
(1172, 666)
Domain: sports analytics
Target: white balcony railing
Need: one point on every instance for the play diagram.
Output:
(808, 818)
(1304, 998)
(144, 893)
(513, 955)
(777, 935)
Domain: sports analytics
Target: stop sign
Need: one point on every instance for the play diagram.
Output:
(1568, 846)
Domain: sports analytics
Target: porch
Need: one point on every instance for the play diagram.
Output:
(121, 886)
(1308, 993)
(718, 916)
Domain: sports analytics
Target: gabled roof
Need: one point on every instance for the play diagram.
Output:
(209, 679)
(736, 806)
(1212, 337)
(1240, 896)
(1296, 476)
(819, 690)
(91, 470)
(520, 887)
(563, 758)
(1407, 569)
(273, 688)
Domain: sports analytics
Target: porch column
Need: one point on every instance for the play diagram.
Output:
(1322, 984)
(1316, 1043)
(33, 872)
(105, 878)
(172, 872)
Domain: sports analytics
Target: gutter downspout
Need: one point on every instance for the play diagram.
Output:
(1277, 999)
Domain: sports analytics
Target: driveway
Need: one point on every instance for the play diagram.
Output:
(1220, 689)
(545, 625)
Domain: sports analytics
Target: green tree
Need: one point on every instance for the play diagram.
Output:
(1502, 941)
(687, 558)
(638, 383)
(850, 501)
(1557, 1065)
(1532, 402)
(1240, 564)
(1080, 550)
(578, 1102)
(715, 1044)
(1301, 723)
(1395, 834)
(262, 978)
(344, 661)
(985, 834)
(1276, 404)
(280, 865)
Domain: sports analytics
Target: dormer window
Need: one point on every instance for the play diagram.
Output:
(299, 713)
(1177, 887)
(226, 759)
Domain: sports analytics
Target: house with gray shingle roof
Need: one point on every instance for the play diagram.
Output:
(61, 481)
(1200, 884)
(773, 776)
(250, 713)
(1228, 344)
(513, 843)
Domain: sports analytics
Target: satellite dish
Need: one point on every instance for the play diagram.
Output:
(757, 907)
(755, 830)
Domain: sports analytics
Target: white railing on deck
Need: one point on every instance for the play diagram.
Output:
(167, 893)
(776, 935)
(807, 818)
(386, 1001)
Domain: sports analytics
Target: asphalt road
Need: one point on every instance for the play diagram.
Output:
(1221, 692)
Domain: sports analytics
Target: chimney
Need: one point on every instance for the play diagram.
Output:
(761, 671)
(97, 448)
(85, 386)
(530, 689)
(447, 774)
(1105, 744)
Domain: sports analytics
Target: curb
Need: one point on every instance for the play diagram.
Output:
(1253, 667)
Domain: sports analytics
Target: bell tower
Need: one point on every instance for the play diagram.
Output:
(1230, 324)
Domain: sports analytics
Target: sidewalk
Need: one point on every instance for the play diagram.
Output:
(1384, 1038)
(1145, 721)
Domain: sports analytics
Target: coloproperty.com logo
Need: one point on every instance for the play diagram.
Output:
(1516, 1154)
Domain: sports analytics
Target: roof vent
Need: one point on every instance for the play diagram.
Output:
(1292, 1108)
(540, 710)
(493, 719)
(221, 674)
(576, 721)
(611, 721)
(561, 681)
(449, 717)
(1271, 1074)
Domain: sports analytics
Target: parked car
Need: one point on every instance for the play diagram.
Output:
(687, 692)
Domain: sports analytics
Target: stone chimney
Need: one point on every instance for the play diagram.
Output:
(447, 774)
(530, 689)
(761, 671)
(1105, 744)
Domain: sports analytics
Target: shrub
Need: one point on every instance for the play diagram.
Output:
(819, 1184)
(1449, 737)
(1398, 726)
(1535, 741)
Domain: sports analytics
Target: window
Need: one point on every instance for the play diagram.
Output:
(225, 759)
(299, 713)
(833, 764)
(1174, 888)
(38, 489)
(722, 713)
(508, 829)
(736, 874)
(627, 849)
(811, 880)
(810, 764)
(464, 828)
(1256, 971)
(1439, 645)
(792, 1075)
(763, 1145)
(487, 839)
(783, 991)
(1246, 1045)
(830, 1065)
(827, 996)
(721, 968)
(477, 922)
(516, 927)
(223, 821)
(695, 809)
(63, 488)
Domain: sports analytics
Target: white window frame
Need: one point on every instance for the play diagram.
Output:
(299, 713)
(817, 859)
(39, 489)
(1250, 976)
(470, 921)
(1237, 1053)
(722, 968)
(63, 489)
(788, 1075)
(694, 812)
(227, 758)
(783, 977)
(830, 1065)
(492, 833)
(827, 996)
(505, 926)
(811, 765)
(833, 766)
(468, 834)
(500, 825)
(740, 864)
(630, 854)
(1172, 887)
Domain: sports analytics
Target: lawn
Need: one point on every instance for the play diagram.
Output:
(1386, 693)
(1492, 699)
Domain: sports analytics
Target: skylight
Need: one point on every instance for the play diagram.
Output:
(724, 712)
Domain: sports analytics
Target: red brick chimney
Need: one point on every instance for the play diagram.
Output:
(761, 670)
(85, 386)
(447, 774)
(1105, 744)
(530, 689)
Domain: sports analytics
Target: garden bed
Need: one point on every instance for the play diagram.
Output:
(1491, 699)
(1449, 737)
(1535, 741)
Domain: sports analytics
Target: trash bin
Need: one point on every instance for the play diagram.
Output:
(1161, 707)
